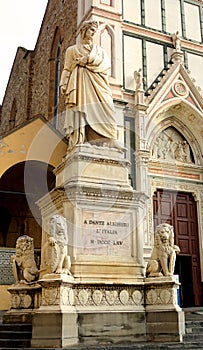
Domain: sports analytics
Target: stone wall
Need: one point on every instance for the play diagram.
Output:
(31, 74)
(61, 14)
(17, 89)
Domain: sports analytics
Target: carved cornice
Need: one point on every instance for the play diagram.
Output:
(115, 195)
(51, 201)
(94, 154)
(171, 184)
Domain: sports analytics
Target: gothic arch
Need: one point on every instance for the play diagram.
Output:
(185, 115)
(112, 50)
(187, 121)
(167, 104)
(13, 114)
(183, 130)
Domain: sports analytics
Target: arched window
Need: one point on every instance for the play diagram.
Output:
(54, 77)
(107, 41)
(56, 85)
(12, 120)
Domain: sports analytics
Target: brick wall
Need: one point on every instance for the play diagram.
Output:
(17, 89)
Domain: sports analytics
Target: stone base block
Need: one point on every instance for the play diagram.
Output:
(161, 294)
(96, 314)
(18, 316)
(25, 301)
(164, 318)
(165, 326)
(111, 327)
(93, 165)
(96, 271)
(54, 330)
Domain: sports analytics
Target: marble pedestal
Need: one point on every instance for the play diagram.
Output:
(105, 301)
(88, 313)
(25, 301)
(103, 213)
(55, 323)
(164, 318)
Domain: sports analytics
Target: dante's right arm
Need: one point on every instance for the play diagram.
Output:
(64, 80)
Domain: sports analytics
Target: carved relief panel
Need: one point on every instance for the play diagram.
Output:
(171, 145)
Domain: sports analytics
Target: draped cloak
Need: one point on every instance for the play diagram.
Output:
(88, 91)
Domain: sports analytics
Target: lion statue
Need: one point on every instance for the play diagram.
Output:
(23, 263)
(162, 261)
(55, 249)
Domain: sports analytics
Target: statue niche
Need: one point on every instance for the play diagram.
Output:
(162, 261)
(170, 145)
(23, 263)
(55, 249)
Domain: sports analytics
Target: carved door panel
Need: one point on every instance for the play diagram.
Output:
(179, 210)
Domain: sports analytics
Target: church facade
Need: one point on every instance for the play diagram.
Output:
(156, 56)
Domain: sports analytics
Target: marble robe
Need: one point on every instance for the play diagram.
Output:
(88, 92)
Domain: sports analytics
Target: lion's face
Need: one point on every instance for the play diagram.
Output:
(60, 227)
(24, 245)
(164, 235)
(57, 228)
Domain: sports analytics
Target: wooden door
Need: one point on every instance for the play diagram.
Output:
(179, 210)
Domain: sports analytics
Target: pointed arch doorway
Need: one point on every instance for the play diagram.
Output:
(179, 210)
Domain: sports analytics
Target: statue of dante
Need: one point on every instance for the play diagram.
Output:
(90, 111)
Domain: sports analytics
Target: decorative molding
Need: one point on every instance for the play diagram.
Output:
(25, 296)
(159, 296)
(180, 89)
(89, 296)
(161, 293)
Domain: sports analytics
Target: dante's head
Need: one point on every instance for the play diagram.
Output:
(88, 25)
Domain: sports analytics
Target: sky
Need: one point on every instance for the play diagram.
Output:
(20, 22)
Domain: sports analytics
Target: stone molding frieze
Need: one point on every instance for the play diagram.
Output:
(161, 293)
(92, 296)
(25, 296)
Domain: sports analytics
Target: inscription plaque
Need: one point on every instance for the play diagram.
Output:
(104, 233)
